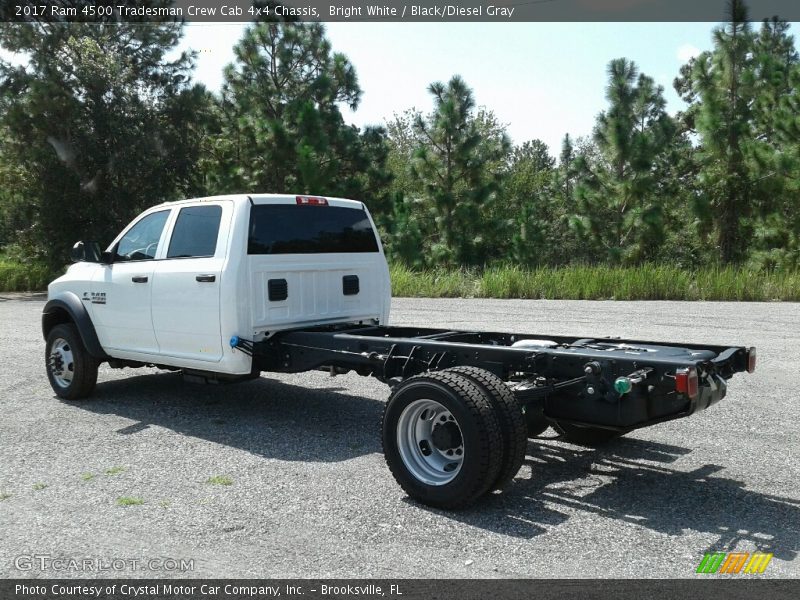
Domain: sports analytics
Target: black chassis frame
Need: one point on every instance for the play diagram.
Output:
(571, 382)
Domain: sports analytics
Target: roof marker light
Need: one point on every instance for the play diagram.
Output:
(311, 201)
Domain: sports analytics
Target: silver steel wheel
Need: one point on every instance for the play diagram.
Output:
(430, 442)
(62, 364)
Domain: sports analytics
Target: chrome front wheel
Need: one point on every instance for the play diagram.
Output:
(71, 370)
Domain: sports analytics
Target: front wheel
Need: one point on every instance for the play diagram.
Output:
(72, 371)
(442, 440)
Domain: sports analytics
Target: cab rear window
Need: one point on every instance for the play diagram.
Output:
(298, 229)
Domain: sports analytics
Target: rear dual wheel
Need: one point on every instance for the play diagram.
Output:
(451, 436)
(509, 416)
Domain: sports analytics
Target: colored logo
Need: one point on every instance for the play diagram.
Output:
(733, 563)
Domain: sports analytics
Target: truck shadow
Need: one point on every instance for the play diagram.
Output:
(631, 481)
(263, 416)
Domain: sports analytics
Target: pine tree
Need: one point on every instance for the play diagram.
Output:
(566, 172)
(619, 200)
(776, 150)
(529, 195)
(102, 121)
(281, 127)
(721, 88)
(455, 163)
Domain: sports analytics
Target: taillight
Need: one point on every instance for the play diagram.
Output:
(686, 382)
(312, 201)
(751, 359)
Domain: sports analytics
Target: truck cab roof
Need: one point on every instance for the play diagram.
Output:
(269, 199)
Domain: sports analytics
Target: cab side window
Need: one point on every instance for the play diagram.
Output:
(141, 241)
(195, 232)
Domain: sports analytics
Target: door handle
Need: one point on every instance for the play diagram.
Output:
(139, 279)
(206, 278)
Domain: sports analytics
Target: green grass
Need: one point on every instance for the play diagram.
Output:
(129, 501)
(4, 496)
(23, 277)
(115, 470)
(87, 476)
(220, 480)
(434, 283)
(647, 282)
(39, 486)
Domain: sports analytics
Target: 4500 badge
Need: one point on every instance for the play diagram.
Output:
(95, 297)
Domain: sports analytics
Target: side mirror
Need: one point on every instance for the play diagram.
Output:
(86, 252)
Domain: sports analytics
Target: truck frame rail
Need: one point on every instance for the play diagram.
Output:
(607, 382)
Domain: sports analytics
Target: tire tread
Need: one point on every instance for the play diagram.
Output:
(511, 419)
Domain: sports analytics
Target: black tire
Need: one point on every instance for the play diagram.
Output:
(585, 436)
(83, 367)
(509, 416)
(536, 421)
(479, 432)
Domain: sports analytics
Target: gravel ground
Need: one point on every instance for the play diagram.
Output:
(309, 493)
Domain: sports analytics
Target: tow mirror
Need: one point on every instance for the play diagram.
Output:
(86, 252)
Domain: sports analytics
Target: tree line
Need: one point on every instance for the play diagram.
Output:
(102, 121)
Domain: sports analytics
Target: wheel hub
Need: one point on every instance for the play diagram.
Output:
(430, 442)
(62, 366)
(57, 362)
(446, 436)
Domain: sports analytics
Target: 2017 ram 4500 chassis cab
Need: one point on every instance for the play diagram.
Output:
(230, 286)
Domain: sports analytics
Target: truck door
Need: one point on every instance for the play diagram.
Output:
(186, 283)
(120, 294)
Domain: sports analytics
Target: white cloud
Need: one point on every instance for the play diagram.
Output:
(687, 51)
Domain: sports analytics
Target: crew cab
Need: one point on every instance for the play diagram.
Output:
(226, 287)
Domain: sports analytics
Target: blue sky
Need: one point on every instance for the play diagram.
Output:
(541, 79)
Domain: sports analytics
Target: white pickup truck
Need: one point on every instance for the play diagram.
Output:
(227, 287)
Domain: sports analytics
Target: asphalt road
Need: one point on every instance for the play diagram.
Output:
(309, 493)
